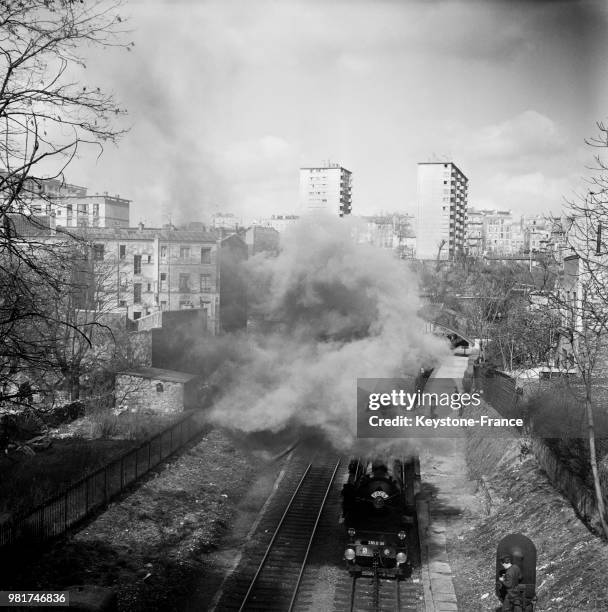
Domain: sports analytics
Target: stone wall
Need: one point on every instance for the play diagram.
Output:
(145, 395)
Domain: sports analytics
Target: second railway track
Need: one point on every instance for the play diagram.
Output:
(271, 583)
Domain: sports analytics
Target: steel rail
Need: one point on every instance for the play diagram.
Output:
(312, 537)
(274, 537)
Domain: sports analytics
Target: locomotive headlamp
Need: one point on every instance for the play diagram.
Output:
(401, 535)
(401, 558)
(351, 532)
(387, 552)
(349, 554)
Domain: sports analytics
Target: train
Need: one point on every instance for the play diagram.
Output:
(378, 508)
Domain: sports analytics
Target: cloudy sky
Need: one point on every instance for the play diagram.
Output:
(227, 99)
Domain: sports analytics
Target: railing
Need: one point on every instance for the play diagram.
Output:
(63, 511)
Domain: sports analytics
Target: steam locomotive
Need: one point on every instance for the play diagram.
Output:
(378, 508)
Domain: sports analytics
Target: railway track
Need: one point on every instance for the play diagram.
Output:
(272, 582)
(366, 594)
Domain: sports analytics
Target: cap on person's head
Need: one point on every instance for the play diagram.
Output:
(507, 559)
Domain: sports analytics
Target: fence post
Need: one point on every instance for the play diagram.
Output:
(149, 452)
(122, 472)
(171, 442)
(105, 486)
(136, 457)
(65, 511)
(86, 502)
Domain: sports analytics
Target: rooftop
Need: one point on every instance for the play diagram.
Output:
(145, 233)
(159, 374)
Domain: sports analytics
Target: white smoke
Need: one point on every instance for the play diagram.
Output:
(341, 311)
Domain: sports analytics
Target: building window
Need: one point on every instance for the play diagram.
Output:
(137, 264)
(137, 293)
(206, 283)
(149, 287)
(122, 303)
(149, 259)
(136, 315)
(96, 210)
(163, 305)
(184, 252)
(163, 253)
(163, 281)
(122, 251)
(205, 255)
(184, 283)
(98, 250)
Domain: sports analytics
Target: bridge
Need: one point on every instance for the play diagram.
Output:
(432, 327)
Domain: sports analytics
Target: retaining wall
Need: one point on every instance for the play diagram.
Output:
(500, 391)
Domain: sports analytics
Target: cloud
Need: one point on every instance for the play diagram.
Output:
(227, 98)
(257, 158)
(532, 192)
(523, 137)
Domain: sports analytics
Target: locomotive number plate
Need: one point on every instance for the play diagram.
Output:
(375, 543)
(364, 551)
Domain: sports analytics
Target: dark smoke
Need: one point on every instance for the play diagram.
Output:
(338, 311)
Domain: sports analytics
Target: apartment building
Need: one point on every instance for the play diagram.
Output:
(261, 239)
(326, 188)
(71, 205)
(475, 244)
(442, 210)
(279, 222)
(389, 231)
(151, 269)
(501, 232)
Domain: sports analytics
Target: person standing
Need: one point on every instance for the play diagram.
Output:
(510, 581)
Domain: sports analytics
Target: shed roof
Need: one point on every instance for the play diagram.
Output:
(159, 374)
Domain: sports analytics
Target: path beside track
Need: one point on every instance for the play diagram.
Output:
(447, 498)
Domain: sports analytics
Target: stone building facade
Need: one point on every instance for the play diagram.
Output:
(157, 390)
(156, 269)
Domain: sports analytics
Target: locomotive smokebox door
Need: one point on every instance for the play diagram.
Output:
(523, 553)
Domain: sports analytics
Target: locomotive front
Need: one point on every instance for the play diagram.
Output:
(374, 510)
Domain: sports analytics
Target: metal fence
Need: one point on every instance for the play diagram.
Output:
(57, 514)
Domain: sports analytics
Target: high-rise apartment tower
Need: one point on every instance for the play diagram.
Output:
(326, 188)
(442, 210)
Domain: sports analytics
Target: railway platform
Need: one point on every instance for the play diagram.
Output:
(447, 498)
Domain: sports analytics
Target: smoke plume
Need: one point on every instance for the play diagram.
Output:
(334, 311)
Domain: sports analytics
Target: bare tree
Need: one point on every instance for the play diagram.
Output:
(525, 337)
(582, 296)
(47, 115)
(584, 345)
